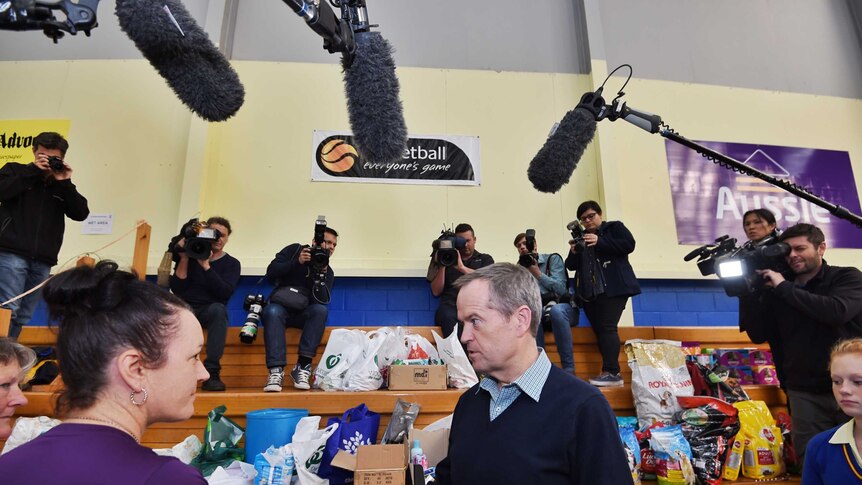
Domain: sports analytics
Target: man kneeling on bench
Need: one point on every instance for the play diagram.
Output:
(303, 285)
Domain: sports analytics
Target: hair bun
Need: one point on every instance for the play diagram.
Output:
(86, 289)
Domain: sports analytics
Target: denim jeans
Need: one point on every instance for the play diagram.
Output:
(17, 275)
(563, 318)
(213, 318)
(276, 319)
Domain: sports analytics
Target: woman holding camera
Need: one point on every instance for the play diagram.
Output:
(604, 282)
(129, 355)
(15, 360)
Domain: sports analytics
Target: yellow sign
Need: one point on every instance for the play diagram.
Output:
(16, 137)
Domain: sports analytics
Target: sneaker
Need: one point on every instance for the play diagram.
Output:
(606, 379)
(301, 376)
(213, 384)
(276, 376)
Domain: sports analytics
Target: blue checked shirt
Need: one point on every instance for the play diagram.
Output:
(530, 383)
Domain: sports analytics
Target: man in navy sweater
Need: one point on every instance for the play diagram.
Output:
(526, 421)
(207, 285)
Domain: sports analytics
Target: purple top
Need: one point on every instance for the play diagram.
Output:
(74, 454)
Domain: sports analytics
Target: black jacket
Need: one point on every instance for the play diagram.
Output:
(285, 270)
(612, 250)
(801, 324)
(33, 211)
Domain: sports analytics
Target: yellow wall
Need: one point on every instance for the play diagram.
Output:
(138, 153)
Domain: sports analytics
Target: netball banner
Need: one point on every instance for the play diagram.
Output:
(430, 160)
(709, 200)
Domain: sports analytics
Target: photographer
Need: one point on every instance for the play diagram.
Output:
(35, 199)
(302, 289)
(604, 281)
(442, 278)
(207, 285)
(550, 273)
(801, 319)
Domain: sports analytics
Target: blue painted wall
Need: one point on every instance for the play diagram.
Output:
(408, 301)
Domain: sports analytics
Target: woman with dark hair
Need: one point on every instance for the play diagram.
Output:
(758, 224)
(15, 360)
(129, 357)
(604, 281)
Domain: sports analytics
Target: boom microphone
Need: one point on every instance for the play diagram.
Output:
(373, 104)
(552, 167)
(182, 53)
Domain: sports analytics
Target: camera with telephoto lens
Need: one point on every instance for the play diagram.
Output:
(253, 304)
(532, 257)
(199, 239)
(56, 164)
(578, 233)
(319, 255)
(445, 248)
(737, 266)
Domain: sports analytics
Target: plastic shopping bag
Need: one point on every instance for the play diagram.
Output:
(394, 347)
(308, 446)
(357, 427)
(416, 342)
(220, 443)
(364, 374)
(343, 347)
(461, 373)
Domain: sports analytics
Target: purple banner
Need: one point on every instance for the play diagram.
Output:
(709, 201)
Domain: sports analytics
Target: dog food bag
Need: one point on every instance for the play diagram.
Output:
(659, 375)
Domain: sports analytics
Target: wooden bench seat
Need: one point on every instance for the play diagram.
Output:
(244, 372)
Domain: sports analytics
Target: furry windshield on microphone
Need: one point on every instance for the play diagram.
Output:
(373, 104)
(167, 35)
(552, 167)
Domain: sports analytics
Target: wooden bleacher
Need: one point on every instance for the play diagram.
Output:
(244, 373)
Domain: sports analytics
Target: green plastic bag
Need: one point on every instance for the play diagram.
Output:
(220, 443)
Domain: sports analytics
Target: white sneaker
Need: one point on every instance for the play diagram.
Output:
(276, 376)
(301, 376)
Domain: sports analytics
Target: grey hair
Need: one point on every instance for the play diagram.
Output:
(511, 286)
(11, 351)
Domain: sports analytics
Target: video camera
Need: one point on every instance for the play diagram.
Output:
(199, 239)
(736, 266)
(253, 304)
(578, 232)
(445, 248)
(532, 257)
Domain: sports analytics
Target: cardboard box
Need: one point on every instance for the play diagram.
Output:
(388, 464)
(375, 464)
(417, 377)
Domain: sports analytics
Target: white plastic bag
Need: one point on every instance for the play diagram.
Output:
(27, 429)
(461, 373)
(308, 445)
(414, 339)
(394, 347)
(342, 349)
(364, 374)
(659, 375)
(237, 473)
(186, 450)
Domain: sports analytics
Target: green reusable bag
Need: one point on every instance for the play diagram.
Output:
(220, 443)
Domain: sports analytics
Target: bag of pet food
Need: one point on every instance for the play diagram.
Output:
(659, 375)
(762, 456)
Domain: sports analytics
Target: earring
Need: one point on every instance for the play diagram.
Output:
(144, 400)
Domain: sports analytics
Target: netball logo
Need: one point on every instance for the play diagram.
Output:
(337, 156)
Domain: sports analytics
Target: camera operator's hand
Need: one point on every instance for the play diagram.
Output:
(590, 239)
(41, 162)
(205, 263)
(304, 255)
(573, 247)
(460, 266)
(771, 279)
(181, 244)
(534, 269)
